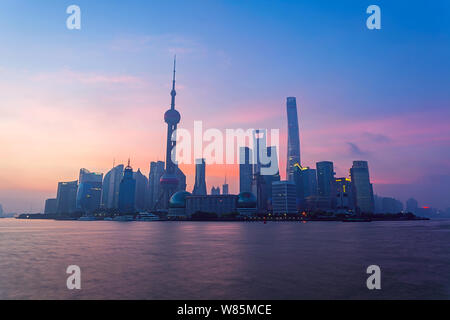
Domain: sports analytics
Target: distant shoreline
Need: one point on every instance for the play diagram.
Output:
(371, 218)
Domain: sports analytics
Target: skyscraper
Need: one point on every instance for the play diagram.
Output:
(154, 190)
(245, 170)
(170, 181)
(362, 188)
(66, 199)
(344, 195)
(225, 187)
(50, 206)
(293, 148)
(284, 197)
(412, 205)
(111, 185)
(326, 187)
(141, 191)
(200, 178)
(265, 157)
(89, 193)
(325, 178)
(127, 191)
(306, 185)
(215, 191)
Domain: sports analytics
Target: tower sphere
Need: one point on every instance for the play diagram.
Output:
(172, 116)
(169, 179)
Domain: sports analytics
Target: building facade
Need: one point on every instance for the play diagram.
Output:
(293, 149)
(245, 169)
(218, 204)
(412, 205)
(127, 192)
(111, 185)
(141, 191)
(344, 196)
(66, 199)
(215, 191)
(284, 197)
(225, 188)
(362, 188)
(89, 195)
(154, 190)
(305, 184)
(200, 178)
(325, 185)
(51, 206)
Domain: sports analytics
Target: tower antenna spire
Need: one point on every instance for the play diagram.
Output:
(174, 70)
(174, 93)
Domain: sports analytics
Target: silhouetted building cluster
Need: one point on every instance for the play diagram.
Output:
(306, 189)
(124, 191)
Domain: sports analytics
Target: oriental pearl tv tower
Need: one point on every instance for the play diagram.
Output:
(170, 182)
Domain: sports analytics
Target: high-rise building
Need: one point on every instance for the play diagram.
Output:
(387, 205)
(50, 206)
(293, 150)
(305, 180)
(245, 170)
(215, 191)
(170, 181)
(325, 185)
(200, 178)
(325, 178)
(127, 191)
(225, 188)
(284, 198)
(67, 197)
(262, 184)
(1, 210)
(412, 205)
(265, 158)
(154, 190)
(362, 188)
(89, 193)
(111, 185)
(344, 195)
(141, 191)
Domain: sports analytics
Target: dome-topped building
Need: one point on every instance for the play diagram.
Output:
(177, 204)
(178, 200)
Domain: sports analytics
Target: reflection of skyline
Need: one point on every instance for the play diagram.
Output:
(53, 102)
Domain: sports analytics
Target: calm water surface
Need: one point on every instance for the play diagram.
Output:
(196, 260)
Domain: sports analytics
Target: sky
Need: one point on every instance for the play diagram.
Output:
(72, 99)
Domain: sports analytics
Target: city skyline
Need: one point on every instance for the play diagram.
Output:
(52, 106)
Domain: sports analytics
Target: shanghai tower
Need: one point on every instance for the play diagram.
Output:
(169, 181)
(293, 147)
